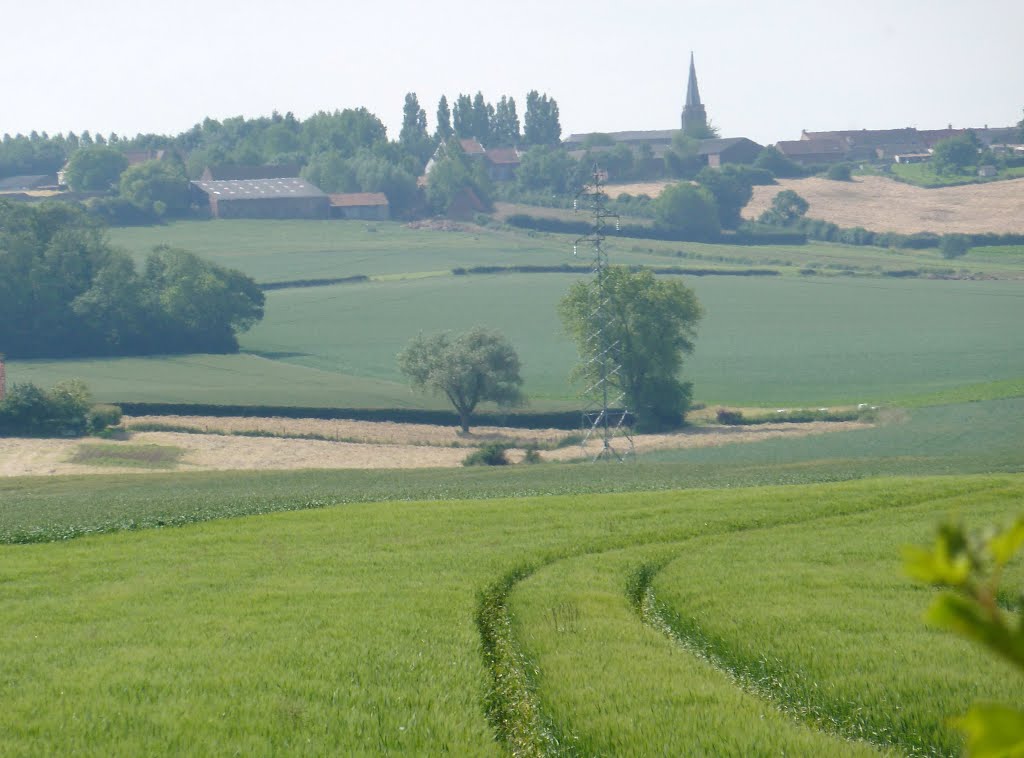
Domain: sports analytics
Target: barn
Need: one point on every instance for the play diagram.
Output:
(261, 198)
(369, 206)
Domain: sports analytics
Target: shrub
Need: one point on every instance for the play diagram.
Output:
(729, 417)
(532, 455)
(840, 172)
(29, 411)
(954, 245)
(102, 416)
(491, 454)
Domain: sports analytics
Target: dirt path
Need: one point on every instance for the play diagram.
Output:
(218, 452)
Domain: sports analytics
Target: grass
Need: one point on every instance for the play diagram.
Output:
(923, 175)
(354, 629)
(970, 438)
(870, 341)
(125, 454)
(830, 629)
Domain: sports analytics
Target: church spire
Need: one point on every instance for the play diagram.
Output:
(692, 93)
(695, 119)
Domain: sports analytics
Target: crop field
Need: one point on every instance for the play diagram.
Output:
(870, 340)
(482, 626)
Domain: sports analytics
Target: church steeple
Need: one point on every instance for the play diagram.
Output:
(695, 119)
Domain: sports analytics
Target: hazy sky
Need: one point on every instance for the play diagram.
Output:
(766, 69)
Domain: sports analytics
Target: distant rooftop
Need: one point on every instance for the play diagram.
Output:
(254, 189)
(358, 199)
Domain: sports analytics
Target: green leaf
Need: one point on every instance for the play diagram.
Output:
(1005, 544)
(968, 619)
(993, 731)
(936, 566)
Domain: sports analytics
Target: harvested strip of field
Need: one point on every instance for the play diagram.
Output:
(371, 432)
(388, 445)
(884, 205)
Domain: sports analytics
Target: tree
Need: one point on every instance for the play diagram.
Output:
(414, 137)
(653, 325)
(687, 210)
(956, 154)
(453, 172)
(444, 121)
(732, 191)
(95, 168)
(462, 117)
(771, 159)
(541, 125)
(787, 208)
(478, 366)
(483, 113)
(505, 126)
(840, 172)
(954, 245)
(200, 305)
(160, 186)
(549, 169)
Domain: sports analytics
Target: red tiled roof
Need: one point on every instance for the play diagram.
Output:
(358, 199)
(503, 156)
(471, 146)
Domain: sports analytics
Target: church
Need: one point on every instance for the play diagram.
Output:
(693, 122)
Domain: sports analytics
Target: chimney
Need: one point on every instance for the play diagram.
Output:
(3, 378)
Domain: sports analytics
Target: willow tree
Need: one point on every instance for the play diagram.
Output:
(471, 368)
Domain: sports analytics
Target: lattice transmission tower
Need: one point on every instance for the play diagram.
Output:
(605, 416)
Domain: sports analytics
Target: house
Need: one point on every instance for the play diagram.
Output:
(811, 151)
(718, 152)
(368, 206)
(987, 171)
(502, 163)
(232, 173)
(261, 198)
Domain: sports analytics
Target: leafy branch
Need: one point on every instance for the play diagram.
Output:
(969, 567)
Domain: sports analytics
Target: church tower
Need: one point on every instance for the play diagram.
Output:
(695, 119)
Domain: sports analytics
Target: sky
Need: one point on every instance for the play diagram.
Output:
(766, 70)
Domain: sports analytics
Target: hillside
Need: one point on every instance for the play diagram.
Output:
(884, 205)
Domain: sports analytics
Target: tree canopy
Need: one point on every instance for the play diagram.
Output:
(688, 210)
(731, 189)
(786, 209)
(471, 368)
(652, 325)
(956, 154)
(64, 291)
(95, 168)
(541, 123)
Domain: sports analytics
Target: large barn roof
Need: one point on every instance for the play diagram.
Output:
(257, 189)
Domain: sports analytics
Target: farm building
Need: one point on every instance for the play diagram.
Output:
(809, 151)
(262, 198)
(718, 152)
(369, 206)
(502, 163)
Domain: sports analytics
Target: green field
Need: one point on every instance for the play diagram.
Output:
(869, 340)
(357, 628)
(276, 251)
(740, 600)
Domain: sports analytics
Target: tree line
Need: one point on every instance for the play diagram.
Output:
(64, 291)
